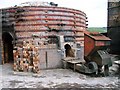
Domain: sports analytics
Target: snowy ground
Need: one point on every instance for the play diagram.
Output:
(54, 78)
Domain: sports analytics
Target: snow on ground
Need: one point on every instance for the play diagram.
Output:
(53, 78)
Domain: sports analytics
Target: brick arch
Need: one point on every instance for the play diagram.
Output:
(68, 51)
(7, 39)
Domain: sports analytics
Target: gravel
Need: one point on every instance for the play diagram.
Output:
(53, 78)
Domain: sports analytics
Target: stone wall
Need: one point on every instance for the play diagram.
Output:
(50, 58)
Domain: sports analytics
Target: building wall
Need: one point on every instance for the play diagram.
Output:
(45, 21)
(0, 36)
(114, 26)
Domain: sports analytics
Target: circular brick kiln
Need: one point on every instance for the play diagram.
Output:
(44, 22)
(47, 27)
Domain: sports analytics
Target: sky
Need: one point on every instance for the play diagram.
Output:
(96, 10)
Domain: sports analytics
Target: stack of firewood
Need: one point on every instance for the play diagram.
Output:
(26, 58)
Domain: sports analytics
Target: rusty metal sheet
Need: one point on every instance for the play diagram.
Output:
(97, 36)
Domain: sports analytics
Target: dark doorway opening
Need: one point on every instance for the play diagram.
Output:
(7, 47)
(68, 51)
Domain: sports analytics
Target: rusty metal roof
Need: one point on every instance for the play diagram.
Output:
(97, 36)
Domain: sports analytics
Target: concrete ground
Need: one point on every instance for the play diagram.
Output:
(54, 78)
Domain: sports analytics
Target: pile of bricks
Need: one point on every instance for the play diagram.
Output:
(26, 58)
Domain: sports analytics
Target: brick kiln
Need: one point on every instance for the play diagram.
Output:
(38, 35)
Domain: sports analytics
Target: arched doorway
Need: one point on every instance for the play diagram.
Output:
(68, 51)
(7, 47)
